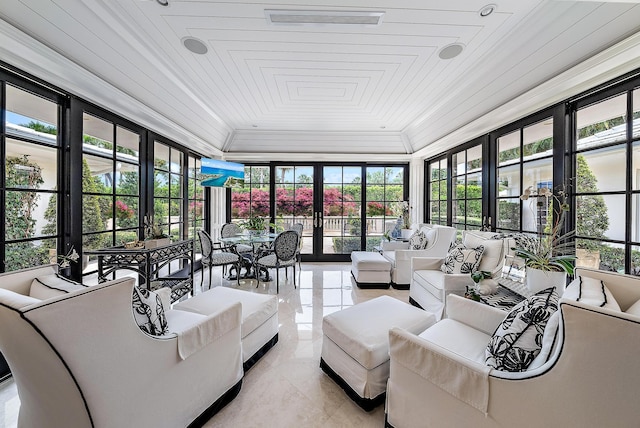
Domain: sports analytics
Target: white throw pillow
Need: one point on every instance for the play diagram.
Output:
(53, 285)
(591, 291)
(149, 312)
(518, 339)
(417, 241)
(493, 250)
(461, 259)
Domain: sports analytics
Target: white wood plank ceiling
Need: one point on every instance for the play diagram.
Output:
(326, 89)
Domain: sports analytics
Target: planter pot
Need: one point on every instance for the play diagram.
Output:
(406, 233)
(154, 243)
(537, 280)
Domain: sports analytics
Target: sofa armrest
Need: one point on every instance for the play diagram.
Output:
(430, 263)
(465, 379)
(394, 245)
(474, 314)
(196, 336)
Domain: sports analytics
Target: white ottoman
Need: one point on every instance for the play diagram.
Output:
(355, 345)
(259, 328)
(370, 269)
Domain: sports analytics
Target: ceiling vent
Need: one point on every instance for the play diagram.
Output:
(322, 17)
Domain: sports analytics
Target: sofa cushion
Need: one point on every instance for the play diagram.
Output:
(634, 309)
(431, 280)
(418, 241)
(518, 339)
(53, 285)
(591, 291)
(458, 338)
(149, 312)
(461, 259)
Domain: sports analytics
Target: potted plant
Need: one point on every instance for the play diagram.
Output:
(256, 225)
(405, 220)
(549, 256)
(153, 234)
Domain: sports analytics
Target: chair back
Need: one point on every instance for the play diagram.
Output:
(229, 230)
(298, 228)
(206, 243)
(286, 245)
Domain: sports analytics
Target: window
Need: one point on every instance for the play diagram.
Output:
(467, 194)
(525, 161)
(600, 186)
(110, 184)
(31, 179)
(168, 189)
(254, 198)
(437, 191)
(385, 193)
(197, 213)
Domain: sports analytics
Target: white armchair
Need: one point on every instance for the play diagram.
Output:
(430, 286)
(588, 379)
(79, 359)
(439, 238)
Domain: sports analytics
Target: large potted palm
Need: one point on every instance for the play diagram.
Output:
(549, 256)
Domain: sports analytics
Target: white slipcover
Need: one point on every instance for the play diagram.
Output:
(80, 360)
(438, 379)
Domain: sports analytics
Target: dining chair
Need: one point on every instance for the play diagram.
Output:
(212, 256)
(299, 227)
(230, 230)
(285, 248)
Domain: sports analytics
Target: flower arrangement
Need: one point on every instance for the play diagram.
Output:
(153, 230)
(406, 215)
(550, 250)
(64, 261)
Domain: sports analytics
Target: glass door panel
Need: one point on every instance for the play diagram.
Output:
(341, 209)
(295, 201)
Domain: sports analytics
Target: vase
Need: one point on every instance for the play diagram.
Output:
(155, 243)
(537, 280)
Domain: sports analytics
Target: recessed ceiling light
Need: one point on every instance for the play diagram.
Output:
(254, 125)
(163, 2)
(322, 17)
(451, 51)
(487, 10)
(383, 127)
(194, 45)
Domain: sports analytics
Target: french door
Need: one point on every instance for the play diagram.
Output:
(342, 207)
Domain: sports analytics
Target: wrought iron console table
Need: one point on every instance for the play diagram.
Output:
(152, 265)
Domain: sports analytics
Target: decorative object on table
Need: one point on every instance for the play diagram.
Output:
(64, 261)
(153, 234)
(484, 284)
(549, 257)
(256, 225)
(132, 245)
(406, 231)
(396, 231)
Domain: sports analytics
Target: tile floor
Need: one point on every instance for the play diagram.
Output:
(286, 388)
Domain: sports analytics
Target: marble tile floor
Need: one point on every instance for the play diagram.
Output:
(286, 388)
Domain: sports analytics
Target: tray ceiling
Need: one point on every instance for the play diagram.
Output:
(323, 88)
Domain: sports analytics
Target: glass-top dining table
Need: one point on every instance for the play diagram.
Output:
(260, 244)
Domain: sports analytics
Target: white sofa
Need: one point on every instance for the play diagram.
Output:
(439, 238)
(590, 379)
(80, 360)
(430, 286)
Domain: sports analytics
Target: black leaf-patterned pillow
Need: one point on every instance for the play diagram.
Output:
(461, 259)
(149, 312)
(518, 339)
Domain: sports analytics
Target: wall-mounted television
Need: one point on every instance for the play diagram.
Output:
(219, 173)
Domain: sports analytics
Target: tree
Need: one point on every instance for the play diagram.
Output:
(21, 173)
(91, 211)
(592, 219)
